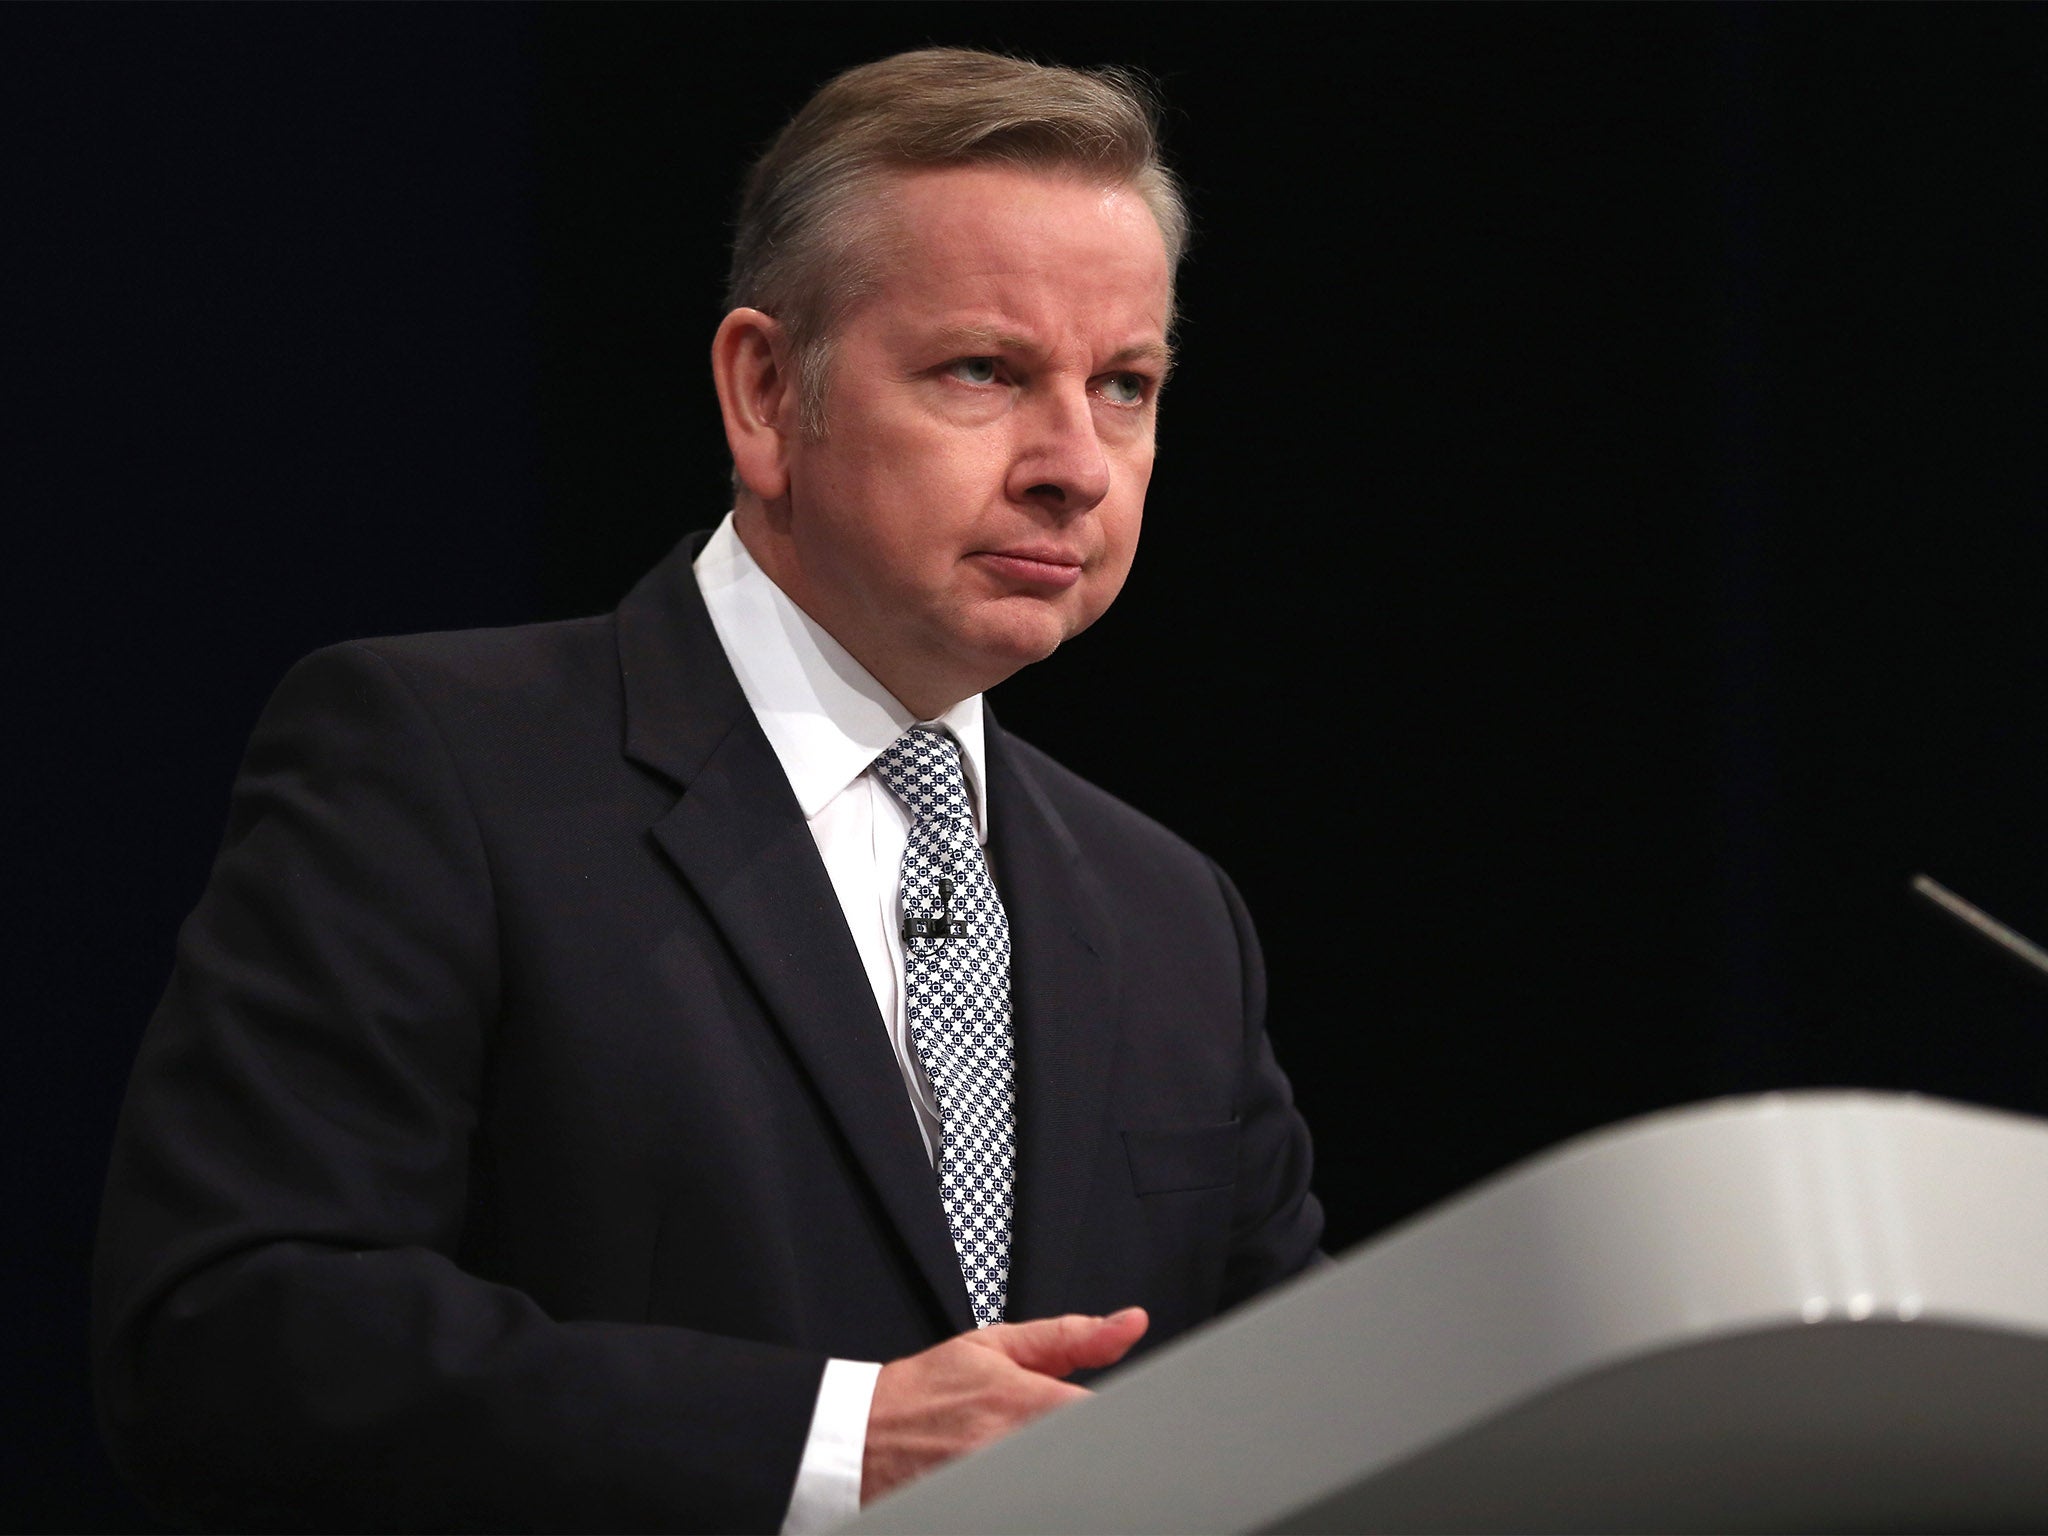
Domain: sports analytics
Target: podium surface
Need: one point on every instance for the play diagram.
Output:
(1790, 1312)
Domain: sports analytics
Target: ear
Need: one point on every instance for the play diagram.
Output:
(754, 368)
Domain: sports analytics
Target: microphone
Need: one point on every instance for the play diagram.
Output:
(942, 926)
(1988, 928)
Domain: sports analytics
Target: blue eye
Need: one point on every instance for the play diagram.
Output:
(976, 370)
(1124, 388)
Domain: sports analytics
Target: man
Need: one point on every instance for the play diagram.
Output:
(691, 1068)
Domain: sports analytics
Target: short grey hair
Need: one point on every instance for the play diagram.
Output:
(805, 245)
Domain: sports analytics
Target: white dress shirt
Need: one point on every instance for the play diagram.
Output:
(828, 720)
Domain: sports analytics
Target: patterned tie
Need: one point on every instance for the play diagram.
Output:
(956, 978)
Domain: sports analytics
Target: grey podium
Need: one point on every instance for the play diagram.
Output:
(1790, 1312)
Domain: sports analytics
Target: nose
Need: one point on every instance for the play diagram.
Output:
(1059, 463)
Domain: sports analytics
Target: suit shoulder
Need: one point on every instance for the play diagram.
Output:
(467, 668)
(1097, 815)
(487, 689)
(520, 656)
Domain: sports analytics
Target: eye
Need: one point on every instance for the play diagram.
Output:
(974, 370)
(1125, 388)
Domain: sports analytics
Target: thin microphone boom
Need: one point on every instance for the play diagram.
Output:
(1984, 925)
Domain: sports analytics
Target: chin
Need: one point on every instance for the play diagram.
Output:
(1002, 658)
(1013, 632)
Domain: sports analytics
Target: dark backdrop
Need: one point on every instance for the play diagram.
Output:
(1594, 561)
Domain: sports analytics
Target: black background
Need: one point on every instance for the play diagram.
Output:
(1595, 558)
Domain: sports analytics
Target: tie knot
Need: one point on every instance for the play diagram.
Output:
(922, 769)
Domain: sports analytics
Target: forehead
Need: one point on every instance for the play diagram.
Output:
(1002, 248)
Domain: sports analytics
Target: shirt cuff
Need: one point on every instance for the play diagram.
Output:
(828, 1478)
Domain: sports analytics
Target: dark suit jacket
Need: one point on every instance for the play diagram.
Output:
(517, 1137)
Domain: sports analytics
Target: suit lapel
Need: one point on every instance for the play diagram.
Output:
(1063, 979)
(738, 838)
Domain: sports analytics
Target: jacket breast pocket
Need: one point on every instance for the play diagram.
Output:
(1182, 1158)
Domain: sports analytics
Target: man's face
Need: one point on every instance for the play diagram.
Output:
(976, 496)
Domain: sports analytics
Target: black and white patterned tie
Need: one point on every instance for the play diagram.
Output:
(956, 982)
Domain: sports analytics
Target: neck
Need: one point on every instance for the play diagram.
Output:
(765, 537)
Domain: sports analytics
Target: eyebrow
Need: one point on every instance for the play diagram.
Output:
(979, 339)
(1147, 352)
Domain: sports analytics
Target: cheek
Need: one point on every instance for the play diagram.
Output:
(1120, 529)
(933, 478)
(1119, 545)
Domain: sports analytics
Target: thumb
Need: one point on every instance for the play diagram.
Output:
(1059, 1346)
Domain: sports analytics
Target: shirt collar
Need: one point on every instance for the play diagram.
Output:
(822, 711)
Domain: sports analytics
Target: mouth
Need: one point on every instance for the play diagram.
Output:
(1032, 566)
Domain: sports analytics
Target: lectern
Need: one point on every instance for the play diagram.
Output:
(1789, 1312)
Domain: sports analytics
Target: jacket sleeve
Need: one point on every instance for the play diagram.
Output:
(283, 1337)
(1278, 1223)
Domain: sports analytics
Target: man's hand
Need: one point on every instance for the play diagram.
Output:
(930, 1407)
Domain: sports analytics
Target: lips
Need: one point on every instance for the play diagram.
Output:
(1037, 565)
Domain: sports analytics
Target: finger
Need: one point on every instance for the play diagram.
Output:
(1058, 1346)
(1119, 1331)
(1027, 1394)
